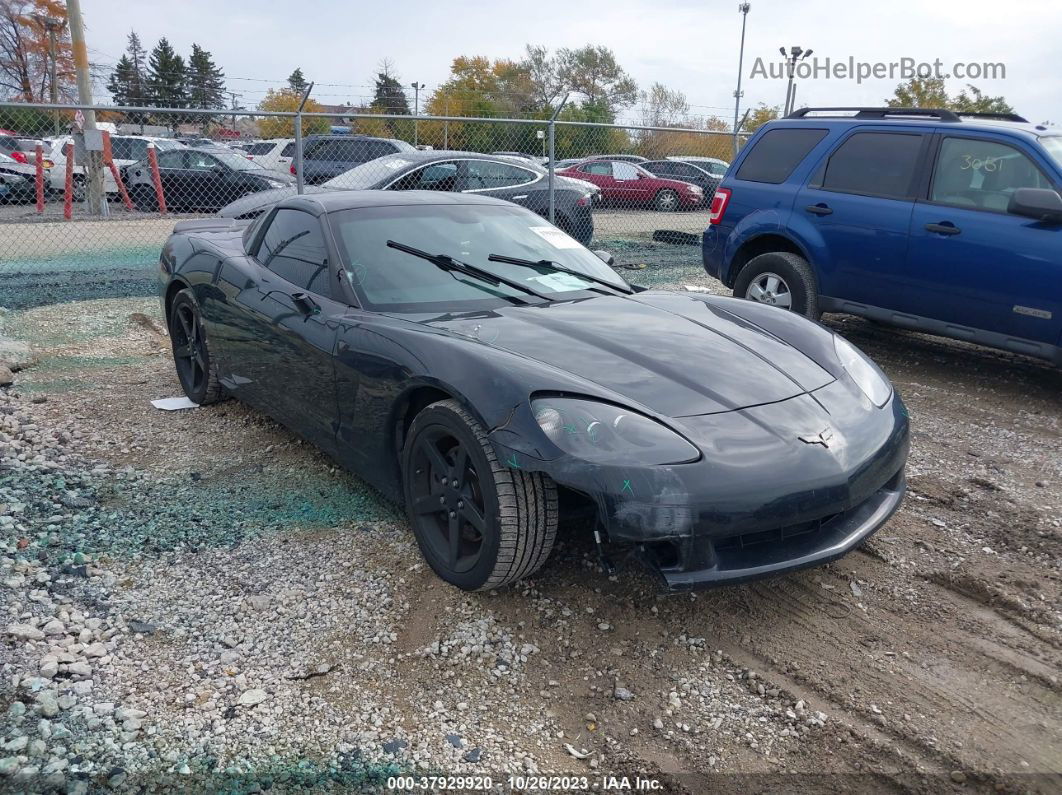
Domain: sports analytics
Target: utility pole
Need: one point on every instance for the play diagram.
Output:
(795, 54)
(234, 106)
(744, 9)
(416, 108)
(97, 204)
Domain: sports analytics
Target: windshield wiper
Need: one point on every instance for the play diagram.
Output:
(447, 263)
(555, 266)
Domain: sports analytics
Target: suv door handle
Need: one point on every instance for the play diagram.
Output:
(819, 209)
(946, 228)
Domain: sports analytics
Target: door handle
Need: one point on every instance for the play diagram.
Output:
(819, 209)
(945, 228)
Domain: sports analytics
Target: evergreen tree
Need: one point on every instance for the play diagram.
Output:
(297, 82)
(166, 79)
(121, 83)
(389, 96)
(205, 80)
(138, 91)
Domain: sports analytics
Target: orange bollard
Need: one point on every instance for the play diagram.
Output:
(68, 195)
(39, 179)
(108, 158)
(153, 161)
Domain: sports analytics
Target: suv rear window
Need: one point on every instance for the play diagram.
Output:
(777, 153)
(873, 164)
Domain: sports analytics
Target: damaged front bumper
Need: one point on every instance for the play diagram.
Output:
(762, 499)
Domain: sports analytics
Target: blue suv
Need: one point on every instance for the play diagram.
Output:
(931, 220)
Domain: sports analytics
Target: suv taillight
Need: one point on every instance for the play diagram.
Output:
(19, 156)
(719, 202)
(293, 170)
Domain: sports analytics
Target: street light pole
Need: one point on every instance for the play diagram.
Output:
(796, 53)
(744, 9)
(416, 108)
(53, 26)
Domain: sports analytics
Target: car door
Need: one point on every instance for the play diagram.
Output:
(290, 311)
(971, 262)
(205, 183)
(856, 212)
(599, 172)
(633, 186)
(504, 180)
(173, 174)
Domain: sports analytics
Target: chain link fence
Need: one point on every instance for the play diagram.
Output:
(85, 213)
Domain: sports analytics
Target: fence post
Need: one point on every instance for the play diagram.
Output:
(39, 179)
(68, 194)
(300, 186)
(552, 125)
(153, 164)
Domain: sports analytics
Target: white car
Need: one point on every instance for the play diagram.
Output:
(276, 154)
(125, 149)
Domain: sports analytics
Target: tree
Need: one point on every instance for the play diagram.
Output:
(25, 60)
(389, 96)
(166, 77)
(930, 92)
(759, 116)
(205, 81)
(287, 101)
(541, 70)
(297, 82)
(663, 107)
(593, 72)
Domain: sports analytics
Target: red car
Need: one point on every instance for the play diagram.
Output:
(630, 185)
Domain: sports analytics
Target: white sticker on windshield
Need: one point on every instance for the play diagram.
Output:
(395, 163)
(560, 282)
(555, 237)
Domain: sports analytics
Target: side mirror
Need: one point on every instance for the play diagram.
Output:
(1043, 204)
(605, 257)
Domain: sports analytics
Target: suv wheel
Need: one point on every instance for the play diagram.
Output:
(780, 279)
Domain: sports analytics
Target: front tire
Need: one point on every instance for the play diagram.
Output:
(480, 524)
(666, 201)
(196, 370)
(782, 279)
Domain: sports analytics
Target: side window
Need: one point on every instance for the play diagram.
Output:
(200, 161)
(288, 150)
(436, 176)
(982, 174)
(263, 148)
(121, 149)
(137, 148)
(661, 169)
(777, 153)
(873, 164)
(375, 149)
(293, 248)
(171, 159)
(601, 169)
(624, 170)
(484, 174)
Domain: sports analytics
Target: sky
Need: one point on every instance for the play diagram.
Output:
(689, 45)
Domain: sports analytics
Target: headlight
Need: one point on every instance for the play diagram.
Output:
(606, 434)
(864, 372)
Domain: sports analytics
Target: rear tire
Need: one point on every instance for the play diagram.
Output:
(196, 370)
(666, 201)
(145, 199)
(781, 279)
(480, 524)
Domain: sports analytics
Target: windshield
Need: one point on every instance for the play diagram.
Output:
(164, 144)
(1053, 145)
(389, 280)
(368, 174)
(237, 162)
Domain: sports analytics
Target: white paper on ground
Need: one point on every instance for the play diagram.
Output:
(174, 404)
(693, 288)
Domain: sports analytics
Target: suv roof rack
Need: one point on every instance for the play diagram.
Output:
(941, 114)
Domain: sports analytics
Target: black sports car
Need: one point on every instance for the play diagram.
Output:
(520, 182)
(199, 179)
(476, 363)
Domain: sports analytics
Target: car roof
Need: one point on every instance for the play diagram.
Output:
(331, 201)
(917, 117)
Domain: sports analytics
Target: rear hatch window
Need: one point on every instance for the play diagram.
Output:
(777, 153)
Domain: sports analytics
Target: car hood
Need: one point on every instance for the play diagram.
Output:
(259, 202)
(674, 355)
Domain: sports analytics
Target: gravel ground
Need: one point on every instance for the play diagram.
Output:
(199, 601)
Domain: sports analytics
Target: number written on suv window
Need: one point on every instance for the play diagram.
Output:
(982, 174)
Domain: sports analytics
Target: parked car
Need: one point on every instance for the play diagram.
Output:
(455, 351)
(624, 158)
(713, 165)
(327, 156)
(277, 154)
(691, 172)
(199, 179)
(125, 150)
(454, 172)
(927, 219)
(9, 146)
(28, 149)
(538, 160)
(629, 185)
(17, 181)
